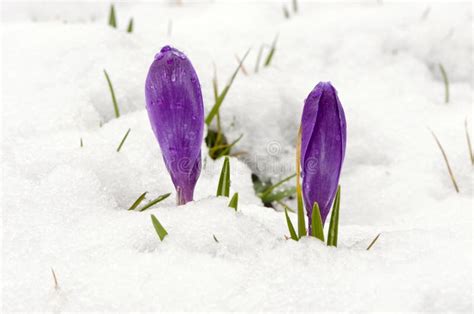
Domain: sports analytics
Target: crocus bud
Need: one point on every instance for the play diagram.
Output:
(323, 145)
(175, 108)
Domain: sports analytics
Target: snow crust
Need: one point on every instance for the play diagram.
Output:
(64, 206)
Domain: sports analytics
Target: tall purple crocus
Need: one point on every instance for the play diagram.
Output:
(175, 108)
(323, 145)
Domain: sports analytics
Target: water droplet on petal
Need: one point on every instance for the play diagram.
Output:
(173, 77)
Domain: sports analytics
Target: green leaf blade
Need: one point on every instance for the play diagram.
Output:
(234, 201)
(130, 26)
(223, 188)
(138, 201)
(112, 18)
(220, 99)
(160, 230)
(154, 202)
(112, 93)
(334, 223)
(316, 223)
(123, 140)
(290, 227)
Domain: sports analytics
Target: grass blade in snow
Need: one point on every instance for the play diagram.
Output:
(274, 186)
(112, 93)
(334, 223)
(228, 147)
(290, 227)
(123, 140)
(451, 174)
(154, 202)
(112, 18)
(224, 180)
(160, 231)
(130, 26)
(269, 58)
(221, 97)
(234, 201)
(138, 201)
(469, 145)
(373, 242)
(446, 83)
(259, 57)
(317, 223)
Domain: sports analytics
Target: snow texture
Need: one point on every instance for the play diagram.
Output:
(65, 206)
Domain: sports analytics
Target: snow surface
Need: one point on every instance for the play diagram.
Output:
(64, 207)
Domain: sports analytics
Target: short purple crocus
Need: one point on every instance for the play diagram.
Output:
(323, 145)
(175, 108)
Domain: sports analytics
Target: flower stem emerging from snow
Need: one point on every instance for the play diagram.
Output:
(299, 193)
(112, 18)
(469, 145)
(123, 140)
(446, 83)
(373, 242)
(224, 180)
(451, 175)
(154, 202)
(112, 93)
(160, 230)
(234, 201)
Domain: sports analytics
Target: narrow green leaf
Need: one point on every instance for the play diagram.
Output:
(228, 147)
(278, 196)
(112, 93)
(154, 202)
(286, 207)
(221, 97)
(299, 193)
(234, 201)
(469, 145)
(373, 242)
(271, 188)
(123, 140)
(290, 227)
(215, 239)
(334, 223)
(446, 83)
(259, 57)
(450, 171)
(224, 180)
(269, 58)
(112, 18)
(317, 223)
(130, 26)
(285, 12)
(81, 143)
(295, 6)
(160, 231)
(138, 201)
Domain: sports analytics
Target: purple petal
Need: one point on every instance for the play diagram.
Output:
(323, 144)
(175, 108)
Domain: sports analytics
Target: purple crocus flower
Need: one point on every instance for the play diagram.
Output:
(323, 145)
(175, 108)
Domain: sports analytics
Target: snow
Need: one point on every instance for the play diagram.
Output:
(64, 206)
